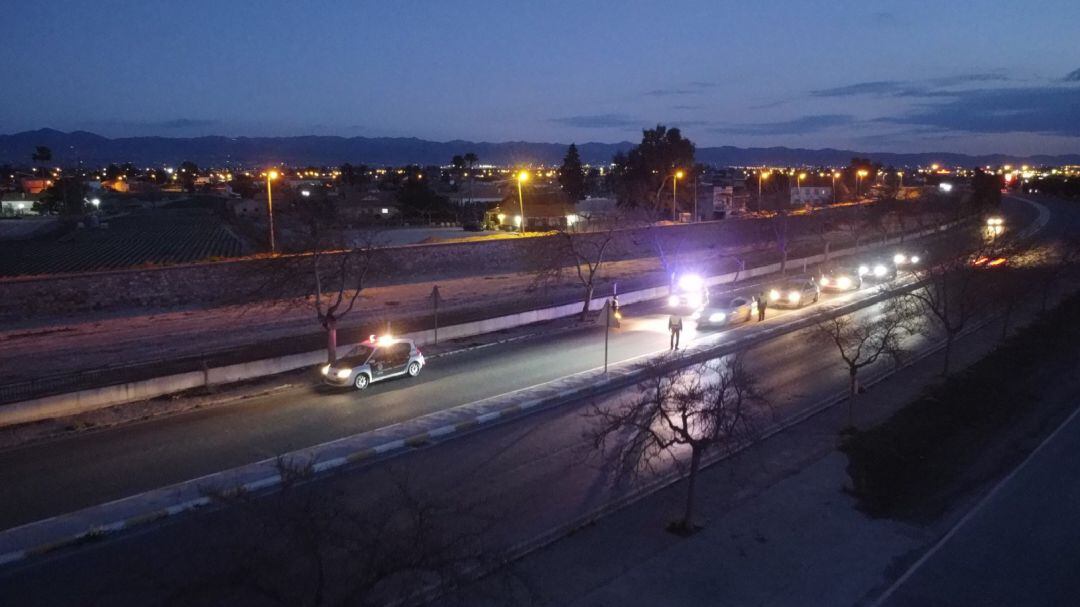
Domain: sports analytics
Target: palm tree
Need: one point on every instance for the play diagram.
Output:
(470, 159)
(42, 154)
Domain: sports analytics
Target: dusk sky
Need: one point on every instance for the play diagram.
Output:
(982, 76)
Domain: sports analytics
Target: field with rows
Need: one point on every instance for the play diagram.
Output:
(157, 236)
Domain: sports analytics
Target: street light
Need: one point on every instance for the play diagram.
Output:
(798, 185)
(834, 176)
(270, 176)
(674, 189)
(522, 178)
(858, 179)
(762, 175)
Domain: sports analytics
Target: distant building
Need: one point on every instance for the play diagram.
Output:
(34, 185)
(811, 195)
(480, 192)
(14, 204)
(545, 209)
(729, 201)
(367, 203)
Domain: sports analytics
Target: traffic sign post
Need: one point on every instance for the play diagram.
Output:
(435, 297)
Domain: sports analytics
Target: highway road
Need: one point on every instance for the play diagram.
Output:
(51, 478)
(534, 467)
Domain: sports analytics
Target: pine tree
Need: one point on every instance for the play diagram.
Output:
(572, 175)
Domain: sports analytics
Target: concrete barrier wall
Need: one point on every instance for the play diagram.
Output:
(60, 405)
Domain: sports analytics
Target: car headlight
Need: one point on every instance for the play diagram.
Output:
(879, 270)
(824, 281)
(843, 282)
(914, 259)
(717, 317)
(774, 295)
(673, 300)
(863, 270)
(899, 259)
(326, 370)
(694, 300)
(343, 373)
(794, 296)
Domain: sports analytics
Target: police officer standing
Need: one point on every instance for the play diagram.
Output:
(674, 325)
(762, 303)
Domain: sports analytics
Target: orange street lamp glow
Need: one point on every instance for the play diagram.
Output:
(522, 177)
(270, 176)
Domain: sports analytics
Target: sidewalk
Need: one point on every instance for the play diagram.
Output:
(779, 528)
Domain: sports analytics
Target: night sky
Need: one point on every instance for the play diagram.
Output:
(973, 77)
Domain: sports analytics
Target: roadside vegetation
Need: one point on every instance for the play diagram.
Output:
(969, 428)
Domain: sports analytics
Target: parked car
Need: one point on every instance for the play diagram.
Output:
(794, 292)
(734, 311)
(373, 361)
(840, 278)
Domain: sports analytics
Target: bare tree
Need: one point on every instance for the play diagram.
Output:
(339, 272)
(706, 407)
(569, 250)
(864, 337)
(781, 229)
(952, 291)
(308, 544)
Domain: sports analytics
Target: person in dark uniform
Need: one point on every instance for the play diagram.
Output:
(762, 303)
(674, 325)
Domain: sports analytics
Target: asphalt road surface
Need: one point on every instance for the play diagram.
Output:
(533, 472)
(64, 475)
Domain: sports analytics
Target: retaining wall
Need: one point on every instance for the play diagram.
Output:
(87, 400)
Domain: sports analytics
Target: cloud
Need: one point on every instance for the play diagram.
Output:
(181, 123)
(686, 106)
(1074, 76)
(1046, 110)
(670, 92)
(798, 126)
(598, 121)
(910, 88)
(694, 87)
(879, 87)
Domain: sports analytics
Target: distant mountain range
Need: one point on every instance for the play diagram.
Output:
(95, 150)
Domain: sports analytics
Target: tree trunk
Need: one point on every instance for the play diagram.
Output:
(828, 245)
(331, 340)
(1006, 321)
(588, 300)
(783, 261)
(691, 485)
(853, 393)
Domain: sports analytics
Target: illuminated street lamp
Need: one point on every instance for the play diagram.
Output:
(858, 179)
(270, 176)
(798, 185)
(834, 176)
(674, 189)
(762, 175)
(522, 178)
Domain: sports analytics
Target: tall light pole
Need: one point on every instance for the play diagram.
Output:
(834, 176)
(674, 189)
(762, 175)
(522, 177)
(270, 176)
(858, 180)
(798, 185)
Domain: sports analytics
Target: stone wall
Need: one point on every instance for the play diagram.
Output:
(244, 280)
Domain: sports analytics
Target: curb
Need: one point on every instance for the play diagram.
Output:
(617, 378)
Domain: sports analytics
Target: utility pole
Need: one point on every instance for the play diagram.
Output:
(435, 297)
(607, 330)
